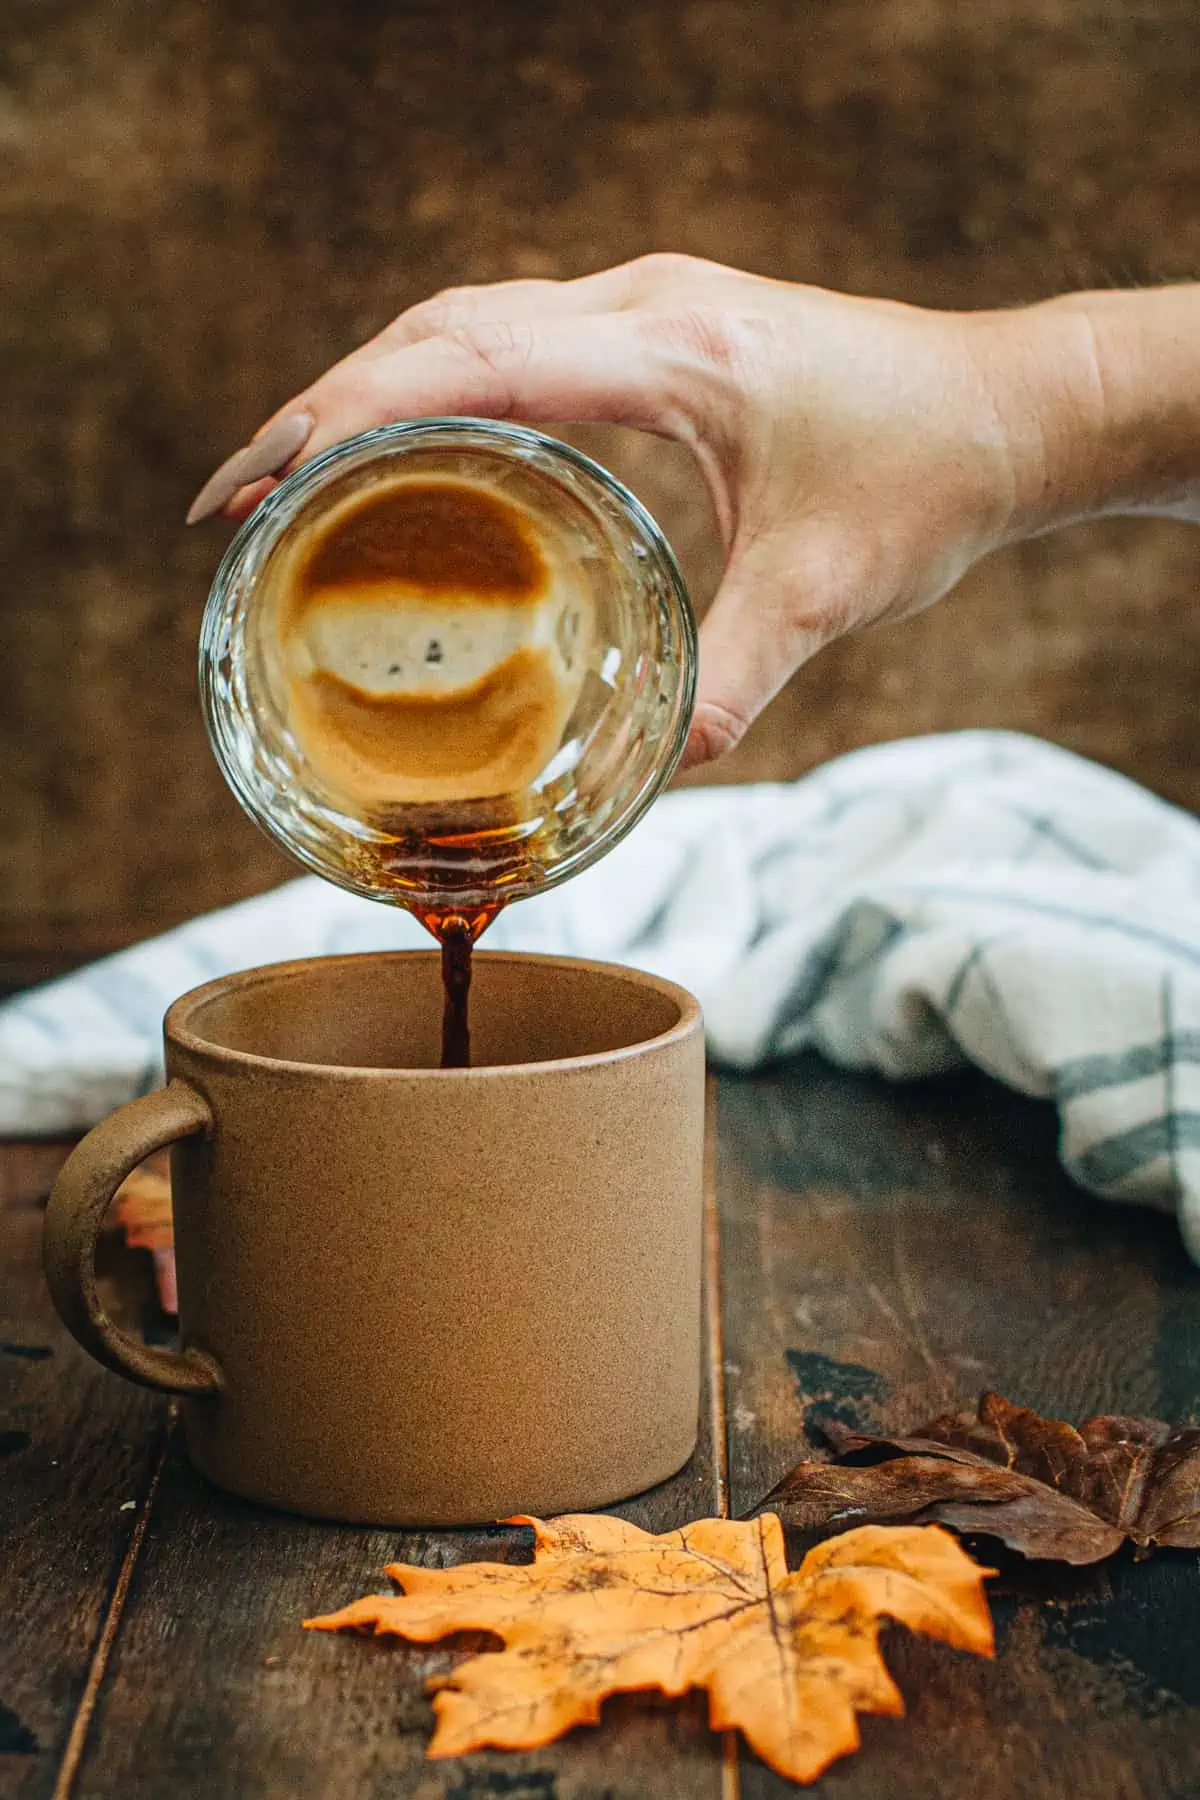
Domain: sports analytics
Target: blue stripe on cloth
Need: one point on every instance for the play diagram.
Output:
(889, 930)
(1088, 1074)
(1115, 1158)
(1068, 915)
(963, 973)
(823, 967)
(46, 1021)
(1046, 830)
(812, 979)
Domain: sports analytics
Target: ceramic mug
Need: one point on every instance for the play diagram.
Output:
(412, 1295)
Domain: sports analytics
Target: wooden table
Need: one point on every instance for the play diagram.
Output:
(882, 1251)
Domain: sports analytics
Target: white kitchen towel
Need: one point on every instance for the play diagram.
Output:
(974, 898)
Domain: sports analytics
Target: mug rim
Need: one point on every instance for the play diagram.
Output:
(177, 1031)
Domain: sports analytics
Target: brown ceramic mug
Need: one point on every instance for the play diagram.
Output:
(412, 1295)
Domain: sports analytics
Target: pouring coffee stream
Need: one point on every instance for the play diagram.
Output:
(446, 665)
(457, 934)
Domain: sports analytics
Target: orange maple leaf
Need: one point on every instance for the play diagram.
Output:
(144, 1216)
(606, 1608)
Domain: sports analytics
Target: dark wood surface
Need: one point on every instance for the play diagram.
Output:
(877, 1251)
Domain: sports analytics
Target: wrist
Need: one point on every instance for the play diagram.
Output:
(1101, 397)
(1040, 369)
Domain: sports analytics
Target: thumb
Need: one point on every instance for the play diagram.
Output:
(764, 624)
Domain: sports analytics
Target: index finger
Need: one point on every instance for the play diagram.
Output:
(605, 367)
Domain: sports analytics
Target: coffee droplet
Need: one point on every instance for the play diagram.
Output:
(420, 630)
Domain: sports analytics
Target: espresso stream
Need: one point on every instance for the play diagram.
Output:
(456, 932)
(432, 636)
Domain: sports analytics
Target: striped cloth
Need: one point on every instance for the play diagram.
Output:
(975, 898)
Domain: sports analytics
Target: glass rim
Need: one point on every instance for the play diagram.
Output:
(258, 534)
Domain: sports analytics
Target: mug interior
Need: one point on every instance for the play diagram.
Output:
(385, 1011)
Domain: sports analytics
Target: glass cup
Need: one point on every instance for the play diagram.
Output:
(448, 664)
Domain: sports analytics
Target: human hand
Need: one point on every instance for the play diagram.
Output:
(860, 454)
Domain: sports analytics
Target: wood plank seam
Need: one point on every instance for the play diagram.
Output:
(73, 1751)
(730, 1778)
(712, 1282)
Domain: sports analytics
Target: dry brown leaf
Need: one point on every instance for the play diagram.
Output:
(1042, 1487)
(606, 1608)
(144, 1216)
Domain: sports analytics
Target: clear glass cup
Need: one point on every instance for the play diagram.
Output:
(448, 664)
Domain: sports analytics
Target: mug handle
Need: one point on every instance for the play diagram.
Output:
(75, 1213)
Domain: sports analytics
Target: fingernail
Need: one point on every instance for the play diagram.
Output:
(265, 456)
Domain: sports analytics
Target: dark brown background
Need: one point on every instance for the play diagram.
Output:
(207, 200)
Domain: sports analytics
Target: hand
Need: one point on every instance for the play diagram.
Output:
(860, 454)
